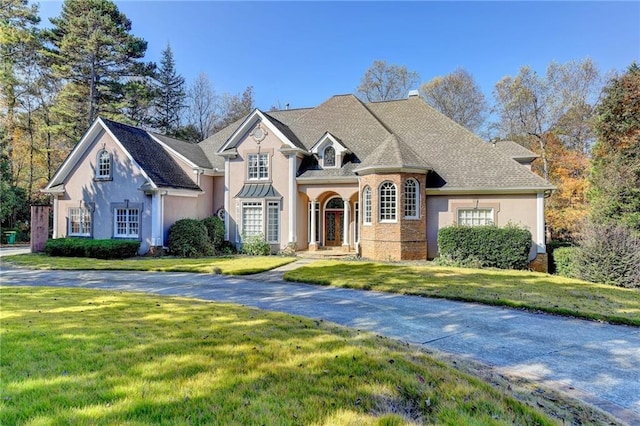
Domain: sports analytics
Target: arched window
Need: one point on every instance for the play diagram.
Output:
(103, 165)
(366, 202)
(411, 199)
(329, 157)
(387, 202)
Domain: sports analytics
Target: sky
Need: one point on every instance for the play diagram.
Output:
(302, 53)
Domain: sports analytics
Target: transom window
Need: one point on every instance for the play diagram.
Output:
(366, 202)
(411, 200)
(258, 166)
(79, 222)
(475, 217)
(329, 157)
(103, 165)
(388, 202)
(126, 223)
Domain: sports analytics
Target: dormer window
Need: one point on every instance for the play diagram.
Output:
(103, 165)
(329, 157)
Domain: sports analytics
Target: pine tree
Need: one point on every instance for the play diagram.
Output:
(92, 50)
(170, 94)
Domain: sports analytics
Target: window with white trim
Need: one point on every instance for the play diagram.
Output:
(316, 211)
(411, 199)
(79, 222)
(273, 221)
(366, 202)
(252, 220)
(387, 202)
(329, 157)
(103, 165)
(475, 217)
(258, 166)
(126, 222)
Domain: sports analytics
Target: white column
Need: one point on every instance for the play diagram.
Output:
(312, 237)
(156, 219)
(345, 221)
(540, 235)
(293, 199)
(56, 215)
(227, 201)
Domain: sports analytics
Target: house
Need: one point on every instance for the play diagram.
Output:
(379, 179)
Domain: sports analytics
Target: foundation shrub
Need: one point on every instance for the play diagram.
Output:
(215, 231)
(189, 238)
(564, 261)
(255, 245)
(609, 254)
(98, 249)
(489, 246)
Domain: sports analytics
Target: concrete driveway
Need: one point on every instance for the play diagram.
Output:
(595, 362)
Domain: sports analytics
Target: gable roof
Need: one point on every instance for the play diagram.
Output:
(190, 151)
(515, 151)
(400, 134)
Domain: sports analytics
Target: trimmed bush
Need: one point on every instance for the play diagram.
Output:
(215, 231)
(609, 254)
(189, 238)
(489, 246)
(255, 245)
(99, 249)
(564, 261)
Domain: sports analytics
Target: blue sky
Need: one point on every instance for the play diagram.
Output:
(302, 53)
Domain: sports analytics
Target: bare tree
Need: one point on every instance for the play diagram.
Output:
(457, 96)
(203, 109)
(382, 82)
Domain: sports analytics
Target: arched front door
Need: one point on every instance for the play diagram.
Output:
(333, 222)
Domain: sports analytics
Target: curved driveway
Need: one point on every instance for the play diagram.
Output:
(598, 363)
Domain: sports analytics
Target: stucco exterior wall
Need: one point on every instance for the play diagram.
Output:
(101, 195)
(516, 209)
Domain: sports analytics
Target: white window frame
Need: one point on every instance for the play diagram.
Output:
(482, 216)
(367, 206)
(316, 237)
(130, 223)
(411, 199)
(258, 166)
(387, 202)
(104, 165)
(324, 158)
(82, 217)
(272, 222)
(257, 221)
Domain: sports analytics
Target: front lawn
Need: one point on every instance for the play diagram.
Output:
(232, 265)
(76, 356)
(518, 289)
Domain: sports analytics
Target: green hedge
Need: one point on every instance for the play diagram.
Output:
(564, 261)
(99, 249)
(488, 246)
(189, 238)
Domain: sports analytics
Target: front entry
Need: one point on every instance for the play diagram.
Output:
(334, 228)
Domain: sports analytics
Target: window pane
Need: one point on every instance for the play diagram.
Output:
(475, 217)
(366, 199)
(251, 219)
(273, 221)
(329, 157)
(104, 164)
(258, 166)
(411, 198)
(79, 221)
(127, 223)
(387, 201)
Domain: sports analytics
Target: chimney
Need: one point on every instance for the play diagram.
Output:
(413, 94)
(286, 106)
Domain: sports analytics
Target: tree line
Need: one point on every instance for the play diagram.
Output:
(55, 82)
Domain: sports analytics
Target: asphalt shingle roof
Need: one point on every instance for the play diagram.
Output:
(189, 150)
(151, 157)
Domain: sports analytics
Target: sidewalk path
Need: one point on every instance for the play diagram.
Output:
(595, 362)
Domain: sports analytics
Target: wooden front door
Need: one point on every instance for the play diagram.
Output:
(333, 228)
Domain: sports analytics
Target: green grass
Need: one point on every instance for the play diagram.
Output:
(84, 357)
(232, 265)
(518, 289)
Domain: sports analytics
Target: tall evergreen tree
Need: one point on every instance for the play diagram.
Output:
(170, 96)
(92, 51)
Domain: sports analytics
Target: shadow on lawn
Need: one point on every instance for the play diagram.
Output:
(105, 357)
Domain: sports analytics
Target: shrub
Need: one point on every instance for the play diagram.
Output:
(490, 246)
(609, 254)
(564, 261)
(255, 245)
(99, 249)
(189, 238)
(215, 231)
(552, 246)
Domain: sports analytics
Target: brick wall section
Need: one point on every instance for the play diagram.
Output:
(405, 239)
